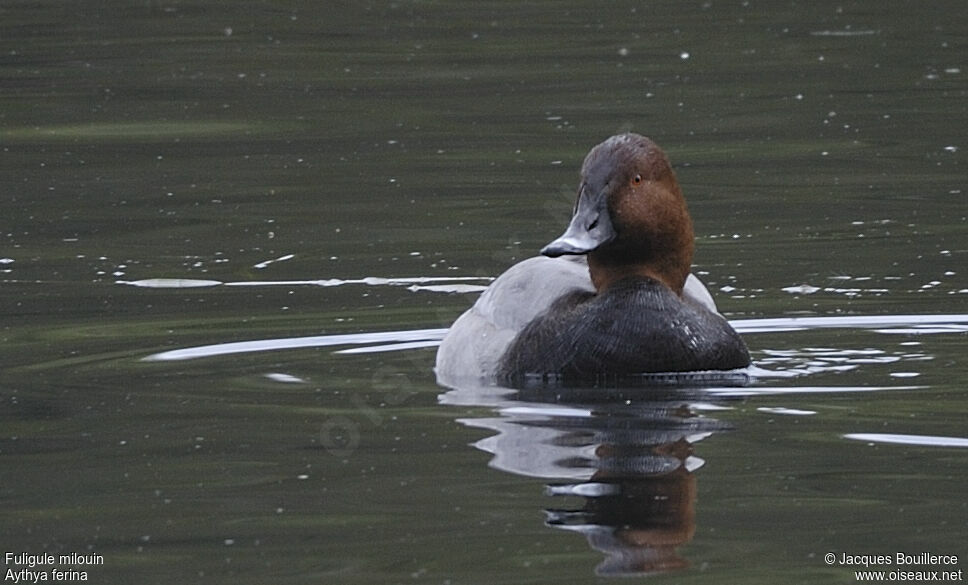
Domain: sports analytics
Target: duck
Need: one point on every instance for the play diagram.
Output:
(612, 297)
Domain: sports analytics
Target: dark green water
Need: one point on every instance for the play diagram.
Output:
(290, 150)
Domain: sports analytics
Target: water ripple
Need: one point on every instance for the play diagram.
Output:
(259, 345)
(921, 440)
(373, 342)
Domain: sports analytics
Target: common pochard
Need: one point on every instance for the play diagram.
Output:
(631, 308)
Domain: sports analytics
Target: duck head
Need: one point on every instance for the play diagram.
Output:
(630, 217)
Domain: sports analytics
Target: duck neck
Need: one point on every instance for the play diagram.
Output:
(666, 257)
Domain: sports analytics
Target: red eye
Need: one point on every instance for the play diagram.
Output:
(637, 179)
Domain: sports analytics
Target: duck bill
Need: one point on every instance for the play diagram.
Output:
(590, 227)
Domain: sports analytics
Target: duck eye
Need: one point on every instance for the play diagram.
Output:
(637, 179)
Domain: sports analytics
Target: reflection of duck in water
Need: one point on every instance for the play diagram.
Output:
(638, 522)
(632, 463)
(633, 308)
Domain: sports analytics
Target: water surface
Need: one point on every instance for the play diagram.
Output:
(232, 234)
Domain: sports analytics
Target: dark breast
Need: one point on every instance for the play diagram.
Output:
(636, 326)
